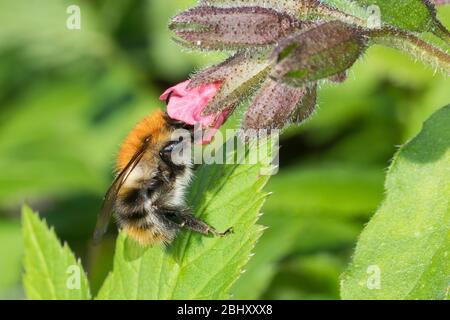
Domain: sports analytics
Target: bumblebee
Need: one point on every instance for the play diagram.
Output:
(148, 193)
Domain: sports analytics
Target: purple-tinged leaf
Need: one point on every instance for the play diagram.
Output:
(324, 50)
(214, 28)
(276, 105)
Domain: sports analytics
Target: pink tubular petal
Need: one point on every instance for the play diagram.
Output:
(179, 90)
(187, 105)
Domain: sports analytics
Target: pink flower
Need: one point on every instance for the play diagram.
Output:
(187, 105)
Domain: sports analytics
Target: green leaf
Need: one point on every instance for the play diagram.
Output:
(51, 270)
(195, 266)
(408, 240)
(413, 15)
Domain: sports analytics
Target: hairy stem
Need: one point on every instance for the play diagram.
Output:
(325, 11)
(411, 44)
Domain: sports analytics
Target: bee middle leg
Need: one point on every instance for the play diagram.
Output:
(185, 219)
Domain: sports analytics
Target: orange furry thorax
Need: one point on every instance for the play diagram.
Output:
(153, 126)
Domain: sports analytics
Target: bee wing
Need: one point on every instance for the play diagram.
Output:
(111, 194)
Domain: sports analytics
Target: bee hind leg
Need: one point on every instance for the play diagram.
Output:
(188, 221)
(194, 224)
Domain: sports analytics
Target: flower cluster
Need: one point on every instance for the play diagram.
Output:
(281, 50)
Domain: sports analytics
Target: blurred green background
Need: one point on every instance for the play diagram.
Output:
(69, 97)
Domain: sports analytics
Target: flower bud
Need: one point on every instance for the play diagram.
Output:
(276, 105)
(238, 75)
(294, 7)
(307, 106)
(214, 28)
(303, 9)
(324, 50)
